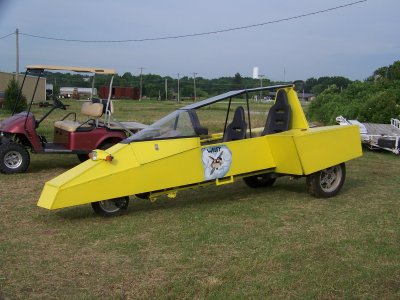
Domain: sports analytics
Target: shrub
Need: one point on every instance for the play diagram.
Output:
(11, 97)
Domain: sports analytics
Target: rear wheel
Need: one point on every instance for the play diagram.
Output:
(14, 158)
(111, 208)
(328, 182)
(262, 180)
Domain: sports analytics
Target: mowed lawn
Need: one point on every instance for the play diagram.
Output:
(214, 242)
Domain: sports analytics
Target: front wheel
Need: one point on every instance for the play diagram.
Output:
(328, 182)
(258, 181)
(111, 208)
(14, 158)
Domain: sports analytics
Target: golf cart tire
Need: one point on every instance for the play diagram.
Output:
(14, 158)
(83, 157)
(259, 181)
(111, 208)
(328, 182)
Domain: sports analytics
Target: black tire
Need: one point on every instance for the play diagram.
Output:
(14, 158)
(145, 196)
(83, 157)
(328, 182)
(258, 181)
(106, 145)
(111, 208)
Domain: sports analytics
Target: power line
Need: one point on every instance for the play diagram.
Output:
(195, 34)
(7, 35)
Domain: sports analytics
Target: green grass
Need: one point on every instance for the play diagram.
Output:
(214, 242)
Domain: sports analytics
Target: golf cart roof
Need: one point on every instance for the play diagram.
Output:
(73, 69)
(231, 94)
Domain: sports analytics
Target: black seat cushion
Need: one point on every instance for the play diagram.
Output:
(279, 115)
(236, 130)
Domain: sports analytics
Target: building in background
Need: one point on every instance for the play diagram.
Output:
(29, 85)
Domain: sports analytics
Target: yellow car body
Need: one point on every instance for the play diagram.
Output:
(166, 163)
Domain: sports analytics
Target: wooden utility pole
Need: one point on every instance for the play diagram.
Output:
(141, 86)
(178, 88)
(194, 85)
(166, 89)
(17, 55)
(261, 77)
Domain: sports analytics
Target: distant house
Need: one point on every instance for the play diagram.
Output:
(305, 96)
(29, 85)
(302, 96)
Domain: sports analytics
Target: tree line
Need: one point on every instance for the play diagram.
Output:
(375, 100)
(153, 86)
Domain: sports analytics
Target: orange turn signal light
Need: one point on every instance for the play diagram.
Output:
(100, 155)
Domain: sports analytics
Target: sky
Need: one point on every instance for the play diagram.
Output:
(352, 41)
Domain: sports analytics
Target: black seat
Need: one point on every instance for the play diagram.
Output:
(236, 130)
(279, 115)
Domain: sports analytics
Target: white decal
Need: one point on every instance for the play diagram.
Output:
(216, 161)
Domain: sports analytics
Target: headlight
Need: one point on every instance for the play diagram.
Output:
(100, 155)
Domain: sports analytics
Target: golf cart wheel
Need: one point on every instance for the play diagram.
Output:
(328, 182)
(112, 207)
(14, 158)
(258, 181)
(83, 157)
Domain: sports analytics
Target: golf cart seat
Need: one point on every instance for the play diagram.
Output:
(113, 124)
(91, 110)
(279, 115)
(236, 130)
(106, 110)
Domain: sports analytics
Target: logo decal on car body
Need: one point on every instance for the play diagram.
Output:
(216, 161)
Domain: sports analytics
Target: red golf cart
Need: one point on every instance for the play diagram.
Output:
(18, 133)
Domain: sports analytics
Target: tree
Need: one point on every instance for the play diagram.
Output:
(394, 71)
(237, 82)
(11, 97)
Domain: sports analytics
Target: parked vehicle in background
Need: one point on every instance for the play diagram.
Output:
(18, 133)
(377, 136)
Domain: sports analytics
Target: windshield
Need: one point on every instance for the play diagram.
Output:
(176, 124)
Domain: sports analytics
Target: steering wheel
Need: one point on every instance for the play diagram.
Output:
(59, 104)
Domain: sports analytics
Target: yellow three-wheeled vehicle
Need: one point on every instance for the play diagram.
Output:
(177, 152)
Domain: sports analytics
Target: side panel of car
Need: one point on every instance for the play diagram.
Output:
(323, 147)
(86, 140)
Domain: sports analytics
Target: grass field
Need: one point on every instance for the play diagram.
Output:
(215, 243)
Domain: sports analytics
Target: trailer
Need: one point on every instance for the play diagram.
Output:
(377, 136)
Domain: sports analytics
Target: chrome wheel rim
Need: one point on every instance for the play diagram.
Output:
(330, 178)
(113, 205)
(13, 160)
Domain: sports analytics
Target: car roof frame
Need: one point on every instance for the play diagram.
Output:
(231, 94)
